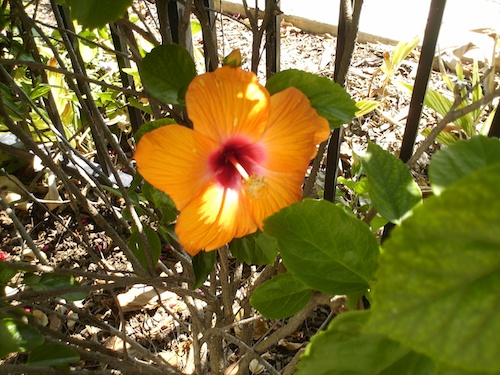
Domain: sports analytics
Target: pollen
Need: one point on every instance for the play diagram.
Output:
(255, 186)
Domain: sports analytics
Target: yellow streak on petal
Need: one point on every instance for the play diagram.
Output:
(174, 159)
(228, 102)
(213, 219)
(294, 130)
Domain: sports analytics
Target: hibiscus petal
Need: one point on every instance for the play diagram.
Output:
(174, 159)
(212, 219)
(294, 130)
(290, 142)
(226, 103)
(281, 189)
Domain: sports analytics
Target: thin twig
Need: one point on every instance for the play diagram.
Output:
(78, 36)
(311, 179)
(247, 349)
(292, 324)
(34, 64)
(22, 231)
(6, 369)
(210, 44)
(72, 188)
(146, 35)
(291, 366)
(184, 25)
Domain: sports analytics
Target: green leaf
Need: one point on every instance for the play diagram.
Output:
(195, 27)
(53, 354)
(49, 281)
(442, 105)
(257, 248)
(445, 137)
(41, 90)
(378, 222)
(328, 98)
(281, 297)
(162, 201)
(166, 73)
(5, 273)
(353, 299)
(137, 246)
(343, 349)
(133, 102)
(152, 125)
(402, 50)
(365, 107)
(437, 283)
(359, 187)
(92, 14)
(391, 187)
(486, 125)
(461, 159)
(445, 370)
(477, 93)
(16, 336)
(203, 265)
(325, 247)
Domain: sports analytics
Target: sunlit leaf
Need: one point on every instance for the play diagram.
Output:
(17, 336)
(325, 247)
(477, 92)
(445, 138)
(328, 98)
(166, 73)
(281, 297)
(390, 184)
(442, 105)
(195, 27)
(343, 349)
(486, 125)
(41, 90)
(365, 107)
(97, 13)
(402, 50)
(437, 283)
(462, 158)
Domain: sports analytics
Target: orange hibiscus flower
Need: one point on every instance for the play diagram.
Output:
(244, 160)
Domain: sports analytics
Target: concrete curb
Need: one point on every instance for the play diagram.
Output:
(307, 25)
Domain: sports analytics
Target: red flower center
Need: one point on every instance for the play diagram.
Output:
(237, 159)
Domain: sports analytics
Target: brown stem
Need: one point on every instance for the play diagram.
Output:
(245, 348)
(209, 41)
(311, 179)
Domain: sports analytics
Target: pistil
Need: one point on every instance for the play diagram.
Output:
(238, 166)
